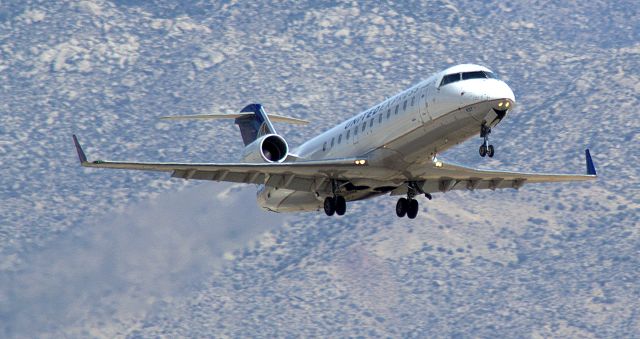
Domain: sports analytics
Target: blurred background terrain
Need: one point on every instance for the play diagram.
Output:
(115, 253)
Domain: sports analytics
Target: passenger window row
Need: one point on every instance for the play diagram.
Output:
(330, 145)
(379, 110)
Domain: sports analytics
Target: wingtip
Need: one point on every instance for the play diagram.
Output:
(591, 169)
(81, 155)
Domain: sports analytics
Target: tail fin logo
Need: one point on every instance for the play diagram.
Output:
(253, 126)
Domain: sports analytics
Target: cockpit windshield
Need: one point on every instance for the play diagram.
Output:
(450, 78)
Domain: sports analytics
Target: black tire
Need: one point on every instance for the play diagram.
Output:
(341, 205)
(412, 210)
(490, 151)
(483, 150)
(401, 207)
(329, 206)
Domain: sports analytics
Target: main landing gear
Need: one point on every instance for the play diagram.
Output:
(409, 206)
(485, 148)
(335, 205)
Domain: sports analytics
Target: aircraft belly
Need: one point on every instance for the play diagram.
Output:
(283, 200)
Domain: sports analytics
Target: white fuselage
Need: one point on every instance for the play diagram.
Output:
(405, 130)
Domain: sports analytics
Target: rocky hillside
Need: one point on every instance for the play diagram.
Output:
(103, 253)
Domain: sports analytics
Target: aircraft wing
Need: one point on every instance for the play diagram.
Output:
(443, 177)
(309, 176)
(316, 176)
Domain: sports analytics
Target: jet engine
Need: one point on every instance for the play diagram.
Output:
(268, 148)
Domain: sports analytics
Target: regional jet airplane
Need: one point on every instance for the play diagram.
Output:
(391, 148)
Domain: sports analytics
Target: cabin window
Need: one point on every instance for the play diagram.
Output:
(324, 146)
(404, 106)
(355, 131)
(380, 118)
(389, 113)
(413, 99)
(348, 134)
(371, 123)
(339, 138)
(396, 112)
(332, 141)
(364, 125)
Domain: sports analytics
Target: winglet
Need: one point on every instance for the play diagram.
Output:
(591, 169)
(81, 155)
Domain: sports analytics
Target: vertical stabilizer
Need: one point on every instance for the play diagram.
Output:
(253, 126)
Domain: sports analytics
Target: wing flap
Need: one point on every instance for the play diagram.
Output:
(443, 177)
(316, 176)
(310, 176)
(285, 181)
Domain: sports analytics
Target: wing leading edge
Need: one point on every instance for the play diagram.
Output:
(443, 177)
(316, 176)
(310, 176)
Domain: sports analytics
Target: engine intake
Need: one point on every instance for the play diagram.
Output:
(269, 148)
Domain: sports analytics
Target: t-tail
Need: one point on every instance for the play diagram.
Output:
(254, 125)
(262, 142)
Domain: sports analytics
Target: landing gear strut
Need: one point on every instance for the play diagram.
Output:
(485, 148)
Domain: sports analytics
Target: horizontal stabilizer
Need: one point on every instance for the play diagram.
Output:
(274, 118)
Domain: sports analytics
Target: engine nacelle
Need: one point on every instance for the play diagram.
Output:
(269, 148)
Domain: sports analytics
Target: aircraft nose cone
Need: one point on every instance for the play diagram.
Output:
(499, 90)
(490, 90)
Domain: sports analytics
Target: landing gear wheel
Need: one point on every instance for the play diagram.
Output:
(329, 206)
(483, 150)
(341, 205)
(412, 210)
(401, 207)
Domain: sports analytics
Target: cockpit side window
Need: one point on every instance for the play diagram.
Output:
(449, 78)
(491, 75)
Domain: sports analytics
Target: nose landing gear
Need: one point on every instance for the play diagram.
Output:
(485, 148)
